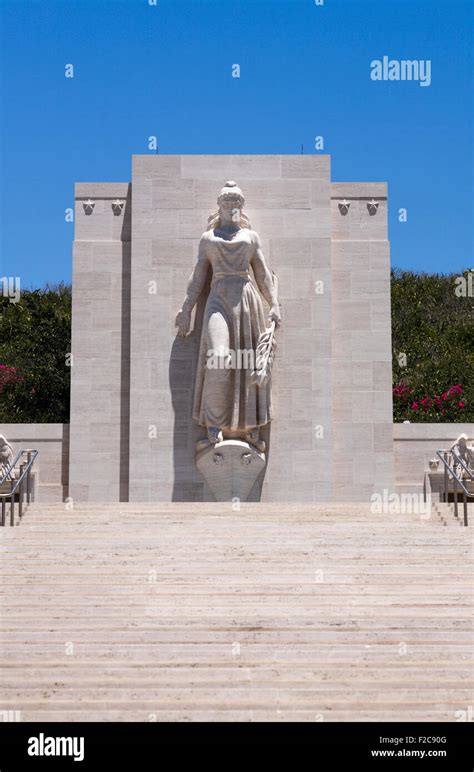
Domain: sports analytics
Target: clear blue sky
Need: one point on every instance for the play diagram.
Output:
(166, 70)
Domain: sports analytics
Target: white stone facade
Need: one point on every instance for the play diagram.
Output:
(132, 437)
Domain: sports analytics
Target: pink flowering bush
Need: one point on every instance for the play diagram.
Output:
(409, 406)
(432, 347)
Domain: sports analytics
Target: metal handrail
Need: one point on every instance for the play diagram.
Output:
(25, 472)
(449, 470)
(459, 461)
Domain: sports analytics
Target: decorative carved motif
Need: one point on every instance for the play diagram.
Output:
(461, 450)
(6, 455)
(235, 473)
(117, 207)
(373, 207)
(344, 207)
(88, 206)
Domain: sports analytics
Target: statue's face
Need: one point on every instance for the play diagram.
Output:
(230, 211)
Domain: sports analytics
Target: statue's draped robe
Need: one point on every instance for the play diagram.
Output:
(233, 320)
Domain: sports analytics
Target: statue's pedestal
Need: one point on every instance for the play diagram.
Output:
(230, 468)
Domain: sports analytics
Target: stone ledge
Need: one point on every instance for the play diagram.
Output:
(101, 190)
(359, 190)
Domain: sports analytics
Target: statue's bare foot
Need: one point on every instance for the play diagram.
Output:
(253, 438)
(214, 434)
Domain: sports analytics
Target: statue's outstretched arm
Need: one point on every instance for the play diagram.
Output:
(195, 287)
(265, 283)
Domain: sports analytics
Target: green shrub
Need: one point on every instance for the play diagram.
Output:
(35, 339)
(432, 343)
(433, 348)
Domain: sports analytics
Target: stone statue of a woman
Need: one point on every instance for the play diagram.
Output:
(228, 400)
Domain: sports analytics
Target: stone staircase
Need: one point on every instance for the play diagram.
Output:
(190, 612)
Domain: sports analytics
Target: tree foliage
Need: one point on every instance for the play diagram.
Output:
(433, 347)
(35, 339)
(432, 339)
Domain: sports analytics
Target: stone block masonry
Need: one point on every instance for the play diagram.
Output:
(132, 437)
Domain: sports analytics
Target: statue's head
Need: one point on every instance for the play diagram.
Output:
(230, 202)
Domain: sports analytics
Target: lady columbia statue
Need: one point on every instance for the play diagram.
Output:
(232, 396)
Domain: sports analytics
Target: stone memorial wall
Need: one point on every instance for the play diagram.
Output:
(132, 433)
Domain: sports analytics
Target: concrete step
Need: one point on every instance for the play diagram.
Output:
(175, 612)
(133, 714)
(445, 513)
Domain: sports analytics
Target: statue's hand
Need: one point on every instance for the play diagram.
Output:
(274, 315)
(183, 323)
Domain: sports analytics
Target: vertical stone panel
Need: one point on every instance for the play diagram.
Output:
(132, 436)
(288, 202)
(98, 459)
(361, 350)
